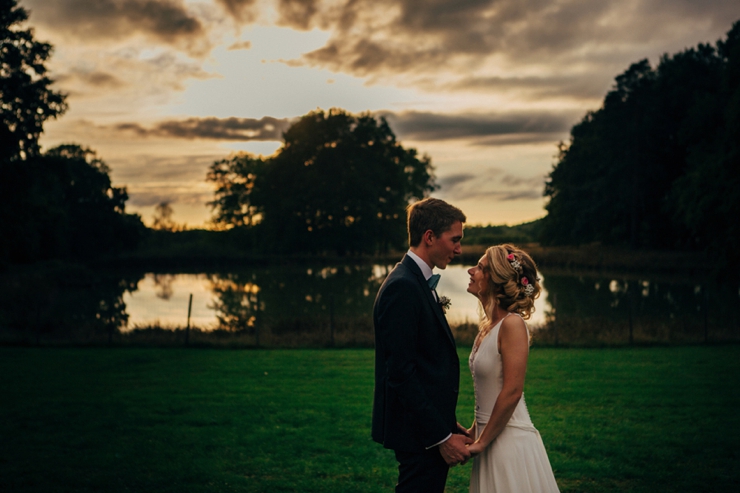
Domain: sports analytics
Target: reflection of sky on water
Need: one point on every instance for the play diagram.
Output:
(163, 299)
(454, 285)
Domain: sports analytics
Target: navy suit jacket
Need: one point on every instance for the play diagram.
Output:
(417, 370)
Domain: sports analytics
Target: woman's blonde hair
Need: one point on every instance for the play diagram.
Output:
(511, 283)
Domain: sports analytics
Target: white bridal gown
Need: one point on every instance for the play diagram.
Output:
(516, 461)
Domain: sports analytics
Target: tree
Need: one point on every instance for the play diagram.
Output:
(613, 183)
(61, 204)
(707, 197)
(26, 99)
(235, 180)
(340, 183)
(162, 220)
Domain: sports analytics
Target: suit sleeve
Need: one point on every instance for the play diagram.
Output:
(398, 317)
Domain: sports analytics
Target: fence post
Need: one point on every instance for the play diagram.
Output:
(555, 320)
(257, 319)
(331, 318)
(631, 301)
(187, 328)
(706, 313)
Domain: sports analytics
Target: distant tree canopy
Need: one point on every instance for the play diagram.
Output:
(659, 164)
(58, 204)
(340, 183)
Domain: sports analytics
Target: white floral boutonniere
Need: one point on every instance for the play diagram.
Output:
(445, 303)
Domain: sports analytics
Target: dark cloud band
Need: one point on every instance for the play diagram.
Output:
(167, 21)
(486, 129)
(240, 129)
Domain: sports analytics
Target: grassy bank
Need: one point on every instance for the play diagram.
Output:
(83, 420)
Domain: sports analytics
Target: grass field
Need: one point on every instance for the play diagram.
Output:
(206, 420)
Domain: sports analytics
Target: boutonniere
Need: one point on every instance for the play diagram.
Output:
(445, 303)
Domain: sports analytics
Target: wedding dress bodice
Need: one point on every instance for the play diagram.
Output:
(487, 370)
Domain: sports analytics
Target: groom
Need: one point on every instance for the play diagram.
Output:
(417, 371)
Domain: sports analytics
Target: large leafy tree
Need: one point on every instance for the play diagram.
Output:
(26, 98)
(339, 183)
(707, 196)
(635, 171)
(58, 204)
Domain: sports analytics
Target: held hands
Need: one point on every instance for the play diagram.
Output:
(476, 448)
(455, 450)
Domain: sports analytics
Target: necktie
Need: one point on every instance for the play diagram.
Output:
(432, 281)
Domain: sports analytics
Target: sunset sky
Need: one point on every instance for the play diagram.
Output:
(487, 88)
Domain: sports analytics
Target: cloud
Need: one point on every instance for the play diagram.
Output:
(153, 179)
(244, 11)
(491, 183)
(297, 13)
(531, 87)
(491, 40)
(485, 129)
(451, 181)
(240, 45)
(241, 129)
(531, 181)
(167, 21)
(93, 78)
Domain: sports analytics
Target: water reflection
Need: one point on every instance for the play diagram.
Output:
(294, 305)
(62, 303)
(332, 305)
(601, 310)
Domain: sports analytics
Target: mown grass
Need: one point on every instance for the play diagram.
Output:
(207, 420)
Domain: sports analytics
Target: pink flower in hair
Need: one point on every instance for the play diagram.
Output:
(510, 256)
(525, 281)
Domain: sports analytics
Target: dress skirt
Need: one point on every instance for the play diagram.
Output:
(515, 462)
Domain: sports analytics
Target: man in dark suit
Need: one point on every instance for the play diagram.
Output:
(417, 370)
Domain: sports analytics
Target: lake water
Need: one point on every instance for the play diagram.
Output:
(300, 305)
(162, 299)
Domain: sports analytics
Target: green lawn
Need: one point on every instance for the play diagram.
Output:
(179, 420)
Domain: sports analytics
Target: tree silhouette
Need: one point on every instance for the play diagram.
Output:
(61, 204)
(340, 183)
(27, 99)
(162, 219)
(656, 165)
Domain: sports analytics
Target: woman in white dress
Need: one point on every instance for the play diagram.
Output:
(509, 453)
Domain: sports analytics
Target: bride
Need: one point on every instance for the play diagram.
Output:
(509, 453)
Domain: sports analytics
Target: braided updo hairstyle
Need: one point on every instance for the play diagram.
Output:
(512, 284)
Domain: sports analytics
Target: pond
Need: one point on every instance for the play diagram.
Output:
(163, 299)
(313, 305)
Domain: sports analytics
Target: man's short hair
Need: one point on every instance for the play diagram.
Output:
(430, 213)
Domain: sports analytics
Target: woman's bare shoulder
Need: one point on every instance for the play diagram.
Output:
(514, 329)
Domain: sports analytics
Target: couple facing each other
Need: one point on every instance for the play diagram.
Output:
(417, 370)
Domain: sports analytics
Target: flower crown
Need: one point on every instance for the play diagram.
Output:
(517, 266)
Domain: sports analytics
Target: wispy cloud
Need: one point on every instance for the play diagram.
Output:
(485, 129)
(241, 129)
(571, 38)
(491, 184)
(165, 21)
(244, 11)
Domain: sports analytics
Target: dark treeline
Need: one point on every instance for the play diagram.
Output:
(658, 166)
(58, 204)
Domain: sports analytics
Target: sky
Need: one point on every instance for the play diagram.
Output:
(161, 89)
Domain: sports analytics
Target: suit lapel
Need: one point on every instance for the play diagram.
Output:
(436, 308)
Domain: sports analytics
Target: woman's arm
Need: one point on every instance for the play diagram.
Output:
(514, 347)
